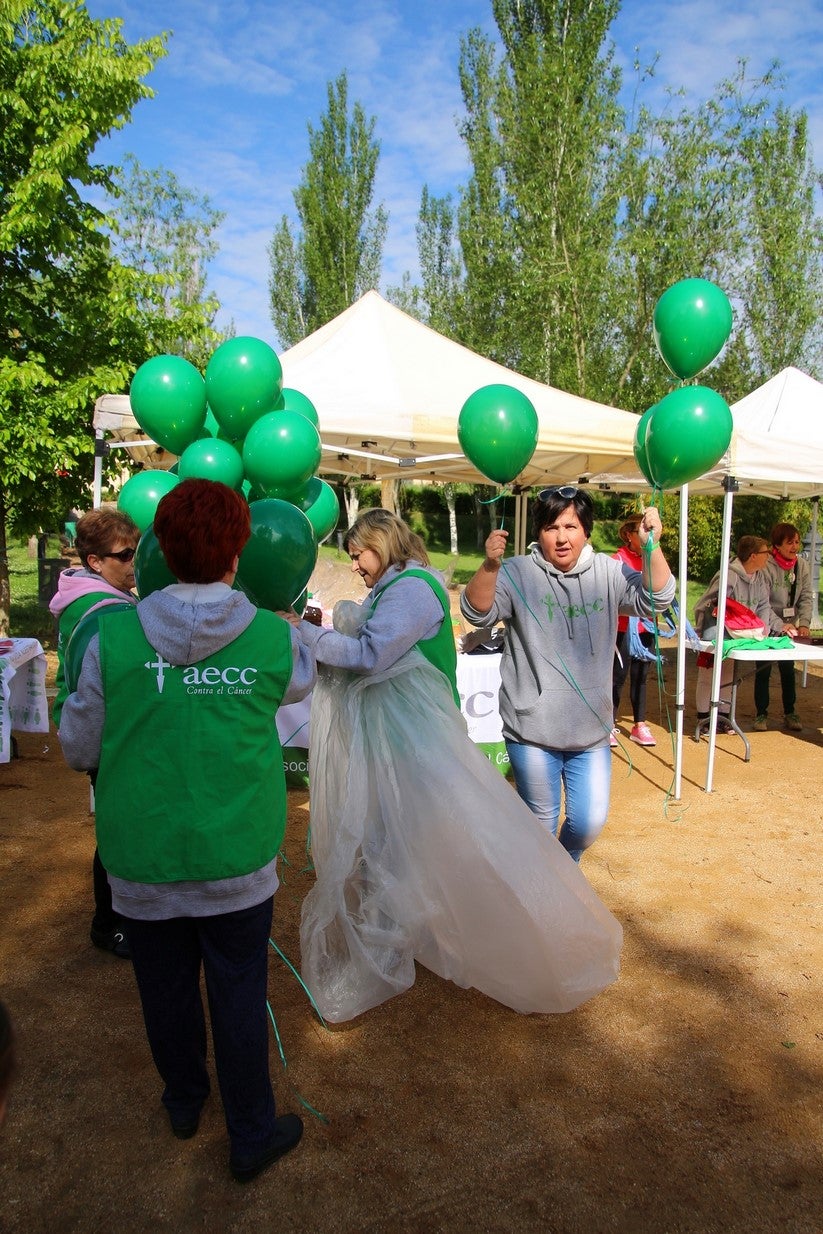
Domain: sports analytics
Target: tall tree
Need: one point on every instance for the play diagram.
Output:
(336, 255)
(164, 232)
(67, 330)
(782, 289)
(577, 217)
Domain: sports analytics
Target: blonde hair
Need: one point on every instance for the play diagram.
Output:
(388, 536)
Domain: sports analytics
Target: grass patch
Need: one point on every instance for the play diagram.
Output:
(28, 618)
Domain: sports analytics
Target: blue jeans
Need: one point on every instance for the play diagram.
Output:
(233, 949)
(586, 777)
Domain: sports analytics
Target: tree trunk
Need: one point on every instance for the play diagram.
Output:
(5, 586)
(450, 502)
(388, 494)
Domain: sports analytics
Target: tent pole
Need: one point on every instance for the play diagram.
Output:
(682, 587)
(730, 487)
(100, 451)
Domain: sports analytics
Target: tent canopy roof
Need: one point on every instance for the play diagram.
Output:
(389, 390)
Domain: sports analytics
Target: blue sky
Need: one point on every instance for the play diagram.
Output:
(243, 78)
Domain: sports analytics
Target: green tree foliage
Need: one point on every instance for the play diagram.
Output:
(163, 232)
(578, 215)
(67, 331)
(336, 255)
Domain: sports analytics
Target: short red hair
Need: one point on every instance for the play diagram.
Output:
(201, 526)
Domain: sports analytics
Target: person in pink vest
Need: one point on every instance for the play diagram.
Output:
(106, 541)
(176, 707)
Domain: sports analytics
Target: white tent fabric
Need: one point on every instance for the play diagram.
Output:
(389, 390)
(777, 441)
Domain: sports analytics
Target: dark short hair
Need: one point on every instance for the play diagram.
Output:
(201, 526)
(99, 530)
(782, 532)
(550, 504)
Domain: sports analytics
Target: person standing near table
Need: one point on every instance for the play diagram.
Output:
(789, 579)
(106, 541)
(560, 603)
(176, 708)
(745, 584)
(625, 664)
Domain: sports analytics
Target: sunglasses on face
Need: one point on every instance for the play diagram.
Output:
(123, 554)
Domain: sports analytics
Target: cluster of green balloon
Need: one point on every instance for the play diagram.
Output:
(497, 429)
(687, 432)
(240, 426)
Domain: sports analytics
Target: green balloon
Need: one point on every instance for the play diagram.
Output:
(277, 563)
(294, 400)
(151, 570)
(691, 323)
(281, 452)
(687, 434)
(497, 430)
(212, 459)
(140, 496)
(243, 382)
(79, 640)
(168, 399)
(320, 505)
(640, 456)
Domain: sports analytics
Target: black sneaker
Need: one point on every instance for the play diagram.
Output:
(113, 940)
(287, 1133)
(185, 1127)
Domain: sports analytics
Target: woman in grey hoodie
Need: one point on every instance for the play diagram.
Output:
(560, 603)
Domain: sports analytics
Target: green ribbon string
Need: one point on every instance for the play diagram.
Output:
(306, 1105)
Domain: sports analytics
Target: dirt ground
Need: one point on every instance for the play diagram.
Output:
(685, 1098)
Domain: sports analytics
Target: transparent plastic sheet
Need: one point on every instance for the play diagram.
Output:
(424, 852)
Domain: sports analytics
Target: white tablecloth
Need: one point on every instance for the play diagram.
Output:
(23, 702)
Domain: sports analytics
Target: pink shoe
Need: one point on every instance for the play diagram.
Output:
(642, 734)
(613, 738)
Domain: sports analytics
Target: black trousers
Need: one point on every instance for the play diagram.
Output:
(232, 949)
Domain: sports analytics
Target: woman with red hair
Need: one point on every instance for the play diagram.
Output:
(179, 696)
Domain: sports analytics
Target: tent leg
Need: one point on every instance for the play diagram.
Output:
(730, 486)
(680, 698)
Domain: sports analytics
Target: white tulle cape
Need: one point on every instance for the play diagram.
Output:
(424, 852)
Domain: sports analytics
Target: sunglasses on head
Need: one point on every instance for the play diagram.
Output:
(567, 491)
(124, 554)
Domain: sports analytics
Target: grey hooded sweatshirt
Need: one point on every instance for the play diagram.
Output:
(561, 629)
(184, 622)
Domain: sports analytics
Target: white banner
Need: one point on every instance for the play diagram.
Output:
(478, 681)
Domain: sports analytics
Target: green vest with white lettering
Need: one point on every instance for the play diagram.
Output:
(191, 782)
(439, 650)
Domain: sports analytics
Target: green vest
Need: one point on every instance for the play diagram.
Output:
(191, 782)
(69, 618)
(440, 649)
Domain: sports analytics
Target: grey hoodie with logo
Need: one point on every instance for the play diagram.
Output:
(558, 652)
